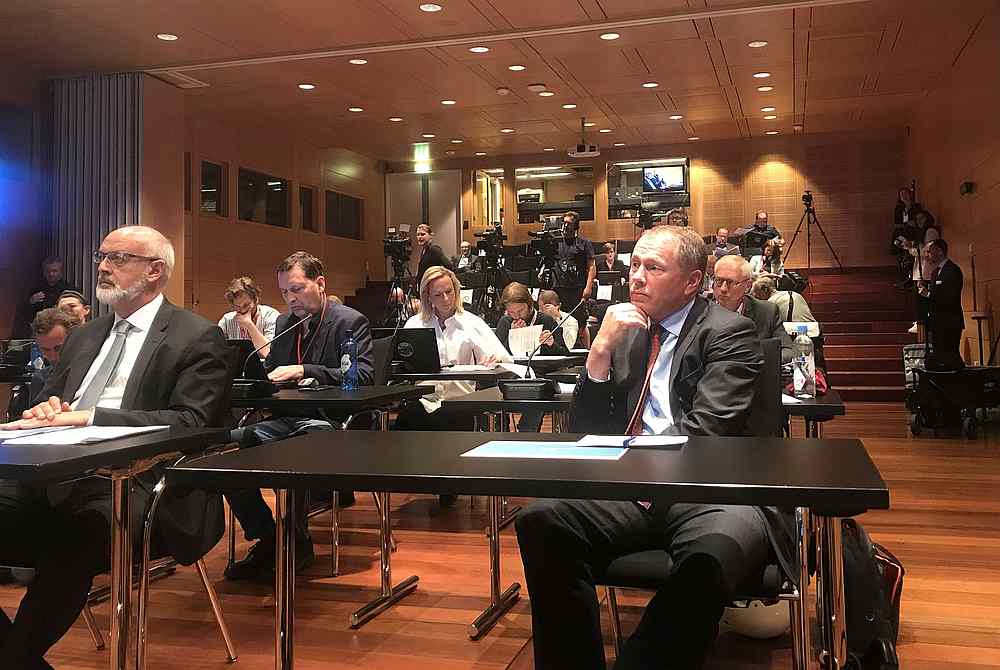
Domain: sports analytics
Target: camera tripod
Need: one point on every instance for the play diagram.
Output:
(396, 313)
(486, 300)
(809, 218)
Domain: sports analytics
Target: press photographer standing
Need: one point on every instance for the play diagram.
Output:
(576, 269)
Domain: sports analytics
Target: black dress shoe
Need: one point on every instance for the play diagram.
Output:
(259, 562)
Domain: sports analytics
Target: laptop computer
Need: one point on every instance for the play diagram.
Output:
(416, 350)
(251, 367)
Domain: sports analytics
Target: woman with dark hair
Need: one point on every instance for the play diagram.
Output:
(768, 263)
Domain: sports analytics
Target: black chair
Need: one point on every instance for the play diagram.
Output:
(525, 277)
(767, 415)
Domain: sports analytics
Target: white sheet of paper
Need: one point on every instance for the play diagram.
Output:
(87, 435)
(468, 368)
(467, 295)
(604, 291)
(566, 388)
(25, 432)
(554, 450)
(540, 357)
(524, 340)
(534, 293)
(579, 351)
(789, 400)
(626, 259)
(638, 441)
(519, 370)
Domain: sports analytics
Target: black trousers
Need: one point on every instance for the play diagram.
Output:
(946, 342)
(564, 543)
(67, 544)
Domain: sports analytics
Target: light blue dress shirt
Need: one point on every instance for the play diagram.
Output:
(657, 417)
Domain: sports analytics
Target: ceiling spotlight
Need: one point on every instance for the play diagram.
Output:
(480, 153)
(770, 132)
(307, 87)
(770, 117)
(355, 109)
(761, 75)
(429, 136)
(589, 124)
(546, 94)
(167, 37)
(447, 102)
(516, 68)
(569, 105)
(503, 90)
(694, 138)
(358, 61)
(450, 152)
(650, 84)
(619, 144)
(768, 109)
(549, 149)
(757, 44)
(456, 141)
(395, 119)
(506, 130)
(765, 89)
(479, 50)
(430, 7)
(610, 36)
(605, 130)
(676, 117)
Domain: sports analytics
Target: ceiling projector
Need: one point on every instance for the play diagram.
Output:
(584, 149)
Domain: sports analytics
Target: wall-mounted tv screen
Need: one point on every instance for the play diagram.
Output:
(664, 179)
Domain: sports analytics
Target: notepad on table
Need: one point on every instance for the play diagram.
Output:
(85, 435)
(662, 441)
(553, 450)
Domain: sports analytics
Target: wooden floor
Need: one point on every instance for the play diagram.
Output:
(944, 525)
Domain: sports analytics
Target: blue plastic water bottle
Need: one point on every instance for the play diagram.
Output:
(349, 363)
(37, 361)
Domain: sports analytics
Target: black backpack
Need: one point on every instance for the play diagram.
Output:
(873, 586)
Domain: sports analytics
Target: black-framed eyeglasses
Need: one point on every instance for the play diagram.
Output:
(723, 283)
(120, 258)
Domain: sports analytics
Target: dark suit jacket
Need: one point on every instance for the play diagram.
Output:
(713, 379)
(547, 323)
(767, 320)
(182, 377)
(471, 266)
(944, 299)
(432, 255)
(616, 265)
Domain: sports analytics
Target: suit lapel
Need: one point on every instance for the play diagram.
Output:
(694, 318)
(90, 347)
(157, 333)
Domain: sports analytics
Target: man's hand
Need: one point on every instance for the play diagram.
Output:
(619, 321)
(37, 297)
(46, 411)
(587, 291)
(551, 310)
(244, 320)
(546, 338)
(518, 323)
(287, 373)
(490, 361)
(69, 418)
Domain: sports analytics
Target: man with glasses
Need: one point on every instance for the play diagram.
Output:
(732, 283)
(146, 363)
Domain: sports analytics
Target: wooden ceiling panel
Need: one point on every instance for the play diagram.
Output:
(664, 134)
(459, 17)
(600, 67)
(500, 54)
(675, 56)
(751, 26)
(844, 48)
(532, 13)
(858, 17)
(615, 9)
(589, 44)
(711, 130)
(827, 89)
(638, 104)
(778, 49)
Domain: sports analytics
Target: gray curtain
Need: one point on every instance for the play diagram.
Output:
(96, 167)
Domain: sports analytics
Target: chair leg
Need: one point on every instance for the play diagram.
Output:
(378, 509)
(213, 599)
(95, 632)
(335, 534)
(616, 622)
(231, 532)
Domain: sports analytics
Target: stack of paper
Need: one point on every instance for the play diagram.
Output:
(524, 340)
(84, 435)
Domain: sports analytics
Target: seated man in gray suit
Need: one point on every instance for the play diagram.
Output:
(732, 282)
(147, 363)
(667, 362)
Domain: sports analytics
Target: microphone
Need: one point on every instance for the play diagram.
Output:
(256, 388)
(558, 326)
(533, 389)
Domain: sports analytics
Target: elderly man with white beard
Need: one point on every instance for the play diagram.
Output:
(147, 363)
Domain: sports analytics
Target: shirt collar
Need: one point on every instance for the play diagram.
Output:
(142, 318)
(673, 323)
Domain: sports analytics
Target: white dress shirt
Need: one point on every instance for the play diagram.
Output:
(464, 340)
(266, 322)
(141, 321)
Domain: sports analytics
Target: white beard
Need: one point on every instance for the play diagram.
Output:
(117, 295)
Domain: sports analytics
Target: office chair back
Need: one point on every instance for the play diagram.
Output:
(767, 416)
(382, 349)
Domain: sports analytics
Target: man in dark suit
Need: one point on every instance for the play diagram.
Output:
(732, 282)
(693, 373)
(148, 363)
(945, 319)
(467, 260)
(311, 350)
(609, 261)
(42, 295)
(430, 253)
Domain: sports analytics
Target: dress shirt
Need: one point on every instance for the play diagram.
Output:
(141, 321)
(657, 416)
(570, 329)
(266, 321)
(465, 339)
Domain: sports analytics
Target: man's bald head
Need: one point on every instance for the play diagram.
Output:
(148, 242)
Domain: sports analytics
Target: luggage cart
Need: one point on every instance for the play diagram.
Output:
(941, 399)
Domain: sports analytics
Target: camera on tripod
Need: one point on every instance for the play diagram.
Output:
(491, 240)
(397, 246)
(807, 199)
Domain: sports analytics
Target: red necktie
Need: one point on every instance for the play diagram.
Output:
(635, 424)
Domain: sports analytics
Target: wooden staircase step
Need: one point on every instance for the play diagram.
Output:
(831, 327)
(872, 393)
(869, 338)
(833, 313)
(868, 378)
(834, 365)
(863, 351)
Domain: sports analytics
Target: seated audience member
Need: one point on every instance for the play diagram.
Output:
(677, 217)
(147, 363)
(50, 329)
(608, 261)
(732, 281)
(548, 304)
(768, 263)
(697, 371)
(519, 312)
(708, 281)
(309, 351)
(763, 228)
(723, 247)
(42, 295)
(74, 303)
(466, 260)
(791, 305)
(249, 319)
(462, 339)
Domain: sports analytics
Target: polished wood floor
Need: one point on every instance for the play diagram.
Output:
(944, 525)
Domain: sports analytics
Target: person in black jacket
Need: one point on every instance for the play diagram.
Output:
(519, 312)
(311, 350)
(430, 253)
(170, 367)
(701, 382)
(732, 282)
(42, 295)
(945, 319)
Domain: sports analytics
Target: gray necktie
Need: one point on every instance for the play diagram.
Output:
(109, 366)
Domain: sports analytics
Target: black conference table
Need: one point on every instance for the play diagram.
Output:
(832, 478)
(119, 460)
(816, 411)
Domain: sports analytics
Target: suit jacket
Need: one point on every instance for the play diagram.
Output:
(471, 266)
(768, 322)
(713, 379)
(944, 299)
(617, 265)
(431, 256)
(182, 377)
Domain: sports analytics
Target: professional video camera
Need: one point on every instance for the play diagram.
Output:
(807, 199)
(397, 246)
(491, 244)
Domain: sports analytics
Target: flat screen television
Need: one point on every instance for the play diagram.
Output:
(664, 179)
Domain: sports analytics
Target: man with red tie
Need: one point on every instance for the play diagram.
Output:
(667, 362)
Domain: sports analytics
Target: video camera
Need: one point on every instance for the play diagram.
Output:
(397, 246)
(807, 199)
(491, 244)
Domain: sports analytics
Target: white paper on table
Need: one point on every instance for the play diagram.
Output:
(467, 295)
(566, 388)
(524, 340)
(604, 291)
(541, 357)
(87, 435)
(519, 370)
(467, 368)
(579, 351)
(554, 450)
(789, 400)
(6, 435)
(627, 441)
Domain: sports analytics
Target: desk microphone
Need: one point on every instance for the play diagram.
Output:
(558, 326)
(533, 389)
(257, 388)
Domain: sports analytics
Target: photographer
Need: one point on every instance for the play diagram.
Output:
(576, 268)
(430, 253)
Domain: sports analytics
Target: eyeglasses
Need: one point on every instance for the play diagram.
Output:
(726, 283)
(120, 258)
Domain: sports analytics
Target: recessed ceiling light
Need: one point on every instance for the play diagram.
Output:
(516, 68)
(757, 44)
(167, 37)
(549, 149)
(479, 50)
(395, 119)
(450, 152)
(569, 105)
(768, 109)
(456, 141)
(770, 117)
(430, 7)
(447, 102)
(798, 127)
(770, 132)
(765, 89)
(429, 135)
(676, 117)
(546, 94)
(480, 153)
(605, 130)
(694, 138)
(610, 36)
(761, 75)
(355, 109)
(619, 144)
(307, 87)
(537, 87)
(506, 130)
(589, 124)
(650, 84)
(358, 61)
